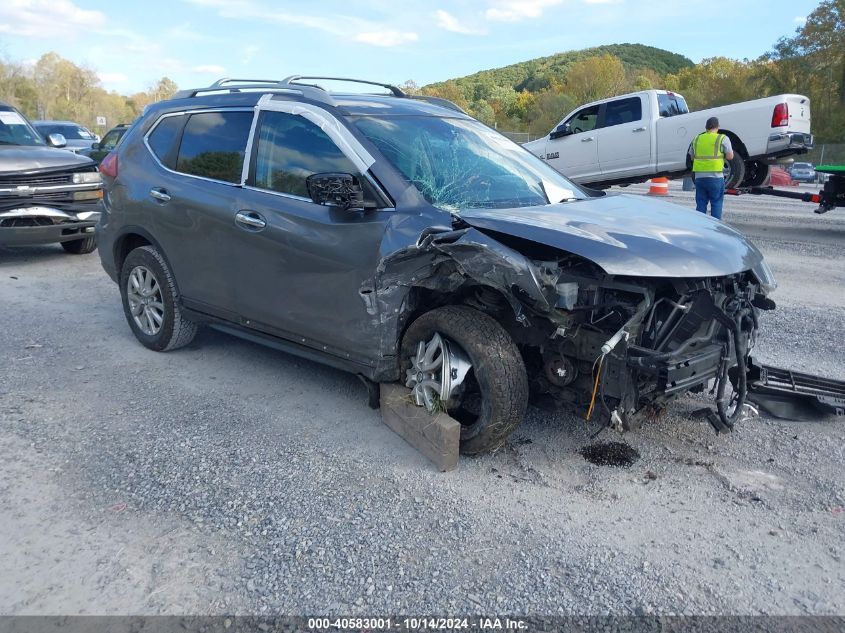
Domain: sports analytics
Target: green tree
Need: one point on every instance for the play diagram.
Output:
(596, 78)
(549, 108)
(821, 40)
(448, 90)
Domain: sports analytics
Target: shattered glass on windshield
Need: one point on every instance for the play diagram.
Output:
(460, 164)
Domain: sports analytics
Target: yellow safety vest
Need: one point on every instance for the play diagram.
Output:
(707, 152)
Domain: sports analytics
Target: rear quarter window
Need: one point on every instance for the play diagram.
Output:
(164, 139)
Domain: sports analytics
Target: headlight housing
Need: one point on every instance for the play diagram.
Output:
(87, 178)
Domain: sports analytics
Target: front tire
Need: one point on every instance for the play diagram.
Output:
(81, 247)
(151, 301)
(493, 396)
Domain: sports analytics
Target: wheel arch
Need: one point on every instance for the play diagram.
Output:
(464, 267)
(736, 143)
(130, 238)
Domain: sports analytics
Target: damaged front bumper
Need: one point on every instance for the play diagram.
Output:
(30, 225)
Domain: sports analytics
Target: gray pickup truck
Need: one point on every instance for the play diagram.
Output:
(46, 195)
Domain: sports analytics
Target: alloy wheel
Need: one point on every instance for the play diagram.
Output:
(438, 369)
(146, 305)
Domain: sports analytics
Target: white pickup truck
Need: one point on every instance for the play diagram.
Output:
(638, 136)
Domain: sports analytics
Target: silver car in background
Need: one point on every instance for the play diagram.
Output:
(78, 137)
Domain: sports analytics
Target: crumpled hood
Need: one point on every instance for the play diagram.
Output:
(631, 235)
(22, 159)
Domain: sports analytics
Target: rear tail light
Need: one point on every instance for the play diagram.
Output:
(780, 116)
(109, 165)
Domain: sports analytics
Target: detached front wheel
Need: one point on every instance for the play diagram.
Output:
(462, 361)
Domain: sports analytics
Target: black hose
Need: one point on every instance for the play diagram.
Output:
(742, 390)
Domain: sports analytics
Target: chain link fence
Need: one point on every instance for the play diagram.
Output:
(827, 154)
(517, 137)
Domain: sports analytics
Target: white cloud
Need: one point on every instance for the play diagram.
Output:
(342, 26)
(113, 78)
(47, 18)
(515, 10)
(209, 69)
(386, 38)
(249, 53)
(800, 19)
(185, 32)
(449, 22)
(603, 1)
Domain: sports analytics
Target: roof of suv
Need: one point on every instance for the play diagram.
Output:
(51, 122)
(247, 92)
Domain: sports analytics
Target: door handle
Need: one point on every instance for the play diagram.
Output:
(587, 140)
(250, 220)
(160, 194)
(639, 129)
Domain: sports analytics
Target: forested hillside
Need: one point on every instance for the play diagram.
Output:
(532, 96)
(537, 74)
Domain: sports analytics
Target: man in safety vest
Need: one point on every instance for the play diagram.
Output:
(709, 151)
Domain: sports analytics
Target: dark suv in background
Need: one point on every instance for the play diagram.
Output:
(398, 238)
(97, 152)
(46, 195)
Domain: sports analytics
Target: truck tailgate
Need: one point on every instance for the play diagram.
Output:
(799, 113)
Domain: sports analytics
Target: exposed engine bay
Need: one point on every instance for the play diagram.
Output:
(624, 348)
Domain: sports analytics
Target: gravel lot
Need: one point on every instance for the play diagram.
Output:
(231, 478)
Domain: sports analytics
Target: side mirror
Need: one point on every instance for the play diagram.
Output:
(95, 146)
(56, 140)
(561, 130)
(336, 190)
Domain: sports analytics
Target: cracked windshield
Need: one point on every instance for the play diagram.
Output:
(459, 164)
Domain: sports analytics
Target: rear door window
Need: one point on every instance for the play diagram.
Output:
(213, 145)
(671, 105)
(623, 111)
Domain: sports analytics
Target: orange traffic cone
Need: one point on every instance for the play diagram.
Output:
(659, 187)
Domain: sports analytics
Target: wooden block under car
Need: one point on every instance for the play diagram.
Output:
(435, 436)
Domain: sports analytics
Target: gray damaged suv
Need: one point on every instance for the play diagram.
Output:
(398, 238)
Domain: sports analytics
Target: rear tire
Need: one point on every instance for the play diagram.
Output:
(495, 389)
(81, 247)
(734, 171)
(151, 301)
(756, 173)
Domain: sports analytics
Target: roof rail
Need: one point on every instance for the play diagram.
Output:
(444, 103)
(297, 80)
(239, 85)
(299, 84)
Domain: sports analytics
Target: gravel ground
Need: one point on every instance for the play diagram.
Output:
(230, 478)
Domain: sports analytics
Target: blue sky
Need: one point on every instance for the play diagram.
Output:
(130, 44)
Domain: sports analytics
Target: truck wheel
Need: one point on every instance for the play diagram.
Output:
(151, 301)
(756, 173)
(81, 247)
(461, 360)
(734, 171)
